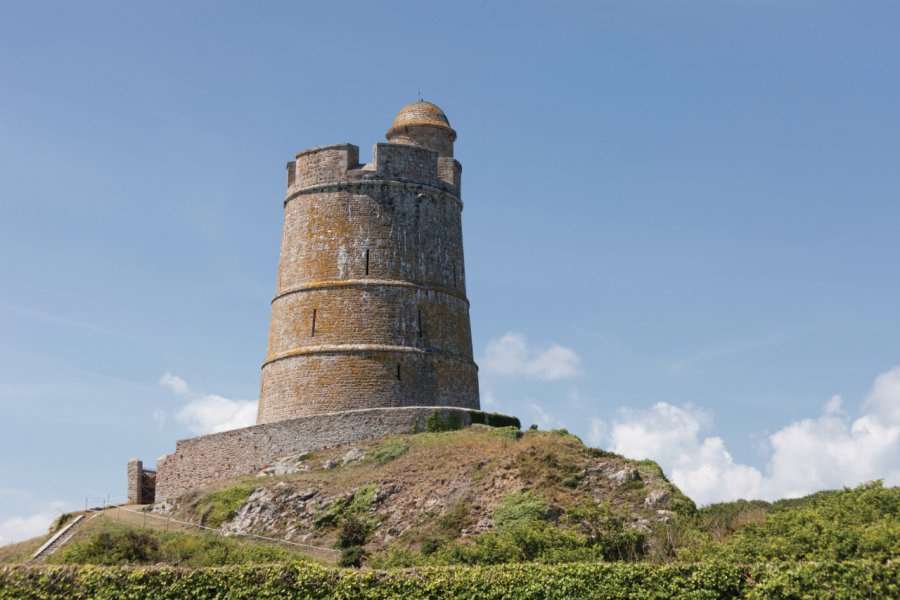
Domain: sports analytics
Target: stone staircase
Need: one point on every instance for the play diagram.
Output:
(58, 539)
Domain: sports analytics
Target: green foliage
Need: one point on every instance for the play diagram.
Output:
(352, 556)
(352, 504)
(124, 547)
(716, 580)
(507, 433)
(222, 506)
(608, 531)
(518, 508)
(387, 451)
(437, 423)
(117, 544)
(863, 522)
(353, 531)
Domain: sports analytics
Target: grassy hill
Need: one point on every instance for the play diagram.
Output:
(483, 496)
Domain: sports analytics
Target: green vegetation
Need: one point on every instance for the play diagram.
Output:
(387, 451)
(836, 525)
(351, 504)
(118, 544)
(437, 423)
(519, 508)
(222, 506)
(715, 580)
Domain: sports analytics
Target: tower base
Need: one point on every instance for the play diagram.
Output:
(201, 460)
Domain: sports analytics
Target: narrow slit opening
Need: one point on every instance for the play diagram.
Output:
(367, 261)
(420, 324)
(312, 330)
(398, 371)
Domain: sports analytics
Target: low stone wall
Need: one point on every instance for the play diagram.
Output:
(201, 460)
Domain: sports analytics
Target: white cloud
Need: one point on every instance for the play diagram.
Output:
(542, 418)
(174, 383)
(18, 528)
(208, 413)
(511, 354)
(159, 417)
(598, 432)
(212, 414)
(829, 451)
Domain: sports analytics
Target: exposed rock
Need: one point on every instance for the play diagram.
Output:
(658, 498)
(626, 475)
(352, 455)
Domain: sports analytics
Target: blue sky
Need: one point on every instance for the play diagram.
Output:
(681, 223)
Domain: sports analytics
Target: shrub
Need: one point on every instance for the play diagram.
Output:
(118, 547)
(352, 556)
(519, 507)
(353, 531)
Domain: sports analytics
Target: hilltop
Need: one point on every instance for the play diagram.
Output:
(478, 496)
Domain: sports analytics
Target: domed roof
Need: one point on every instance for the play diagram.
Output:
(421, 113)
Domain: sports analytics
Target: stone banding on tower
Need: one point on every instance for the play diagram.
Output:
(370, 309)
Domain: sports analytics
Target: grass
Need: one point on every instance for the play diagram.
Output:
(353, 504)
(387, 451)
(111, 543)
(222, 506)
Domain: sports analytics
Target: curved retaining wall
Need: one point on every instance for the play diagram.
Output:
(201, 460)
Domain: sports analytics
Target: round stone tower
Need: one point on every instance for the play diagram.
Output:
(370, 309)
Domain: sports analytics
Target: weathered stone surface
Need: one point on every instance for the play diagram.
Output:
(370, 308)
(250, 450)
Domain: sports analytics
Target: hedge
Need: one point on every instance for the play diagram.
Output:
(846, 580)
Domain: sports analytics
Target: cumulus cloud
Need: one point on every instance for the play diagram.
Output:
(511, 354)
(18, 528)
(829, 451)
(209, 413)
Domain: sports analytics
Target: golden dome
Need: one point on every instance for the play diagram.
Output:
(421, 113)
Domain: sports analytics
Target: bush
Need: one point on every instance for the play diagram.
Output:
(118, 544)
(715, 580)
(519, 507)
(863, 522)
(352, 556)
(353, 532)
(114, 548)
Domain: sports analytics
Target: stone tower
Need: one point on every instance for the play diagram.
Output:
(370, 309)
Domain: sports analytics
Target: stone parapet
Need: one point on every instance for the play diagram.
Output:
(201, 460)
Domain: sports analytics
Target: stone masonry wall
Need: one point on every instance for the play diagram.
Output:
(201, 460)
(141, 483)
(370, 308)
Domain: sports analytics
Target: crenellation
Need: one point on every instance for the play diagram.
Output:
(324, 164)
(398, 162)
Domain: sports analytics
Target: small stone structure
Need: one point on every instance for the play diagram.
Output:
(369, 333)
(141, 483)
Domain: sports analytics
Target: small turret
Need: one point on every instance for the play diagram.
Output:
(423, 124)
